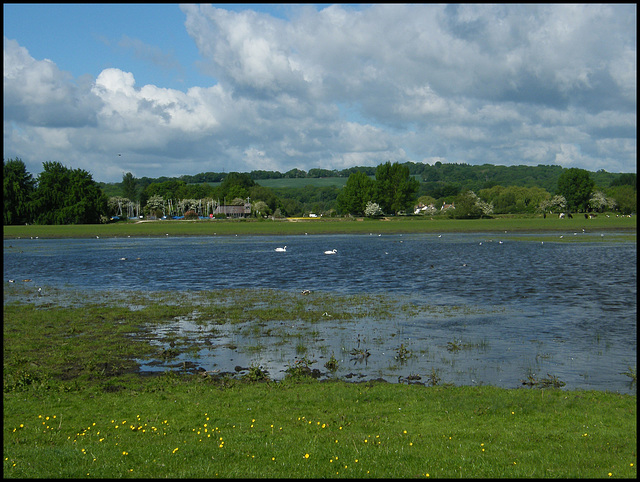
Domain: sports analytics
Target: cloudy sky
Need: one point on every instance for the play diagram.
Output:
(167, 90)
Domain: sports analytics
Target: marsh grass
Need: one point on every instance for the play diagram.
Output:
(403, 353)
(631, 373)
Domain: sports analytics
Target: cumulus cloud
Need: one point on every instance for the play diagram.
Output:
(506, 84)
(37, 93)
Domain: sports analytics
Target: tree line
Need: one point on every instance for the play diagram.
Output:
(61, 195)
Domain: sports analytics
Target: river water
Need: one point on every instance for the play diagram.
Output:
(515, 306)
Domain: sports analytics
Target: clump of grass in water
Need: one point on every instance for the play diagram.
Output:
(551, 381)
(454, 346)
(300, 368)
(256, 374)
(433, 378)
(332, 364)
(359, 353)
(301, 348)
(403, 353)
(631, 373)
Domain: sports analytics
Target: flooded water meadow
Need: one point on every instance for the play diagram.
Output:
(468, 309)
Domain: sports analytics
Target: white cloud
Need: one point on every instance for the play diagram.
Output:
(38, 93)
(508, 84)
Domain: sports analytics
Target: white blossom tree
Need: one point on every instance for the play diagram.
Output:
(600, 202)
(118, 206)
(556, 204)
(485, 208)
(155, 205)
(372, 209)
(185, 205)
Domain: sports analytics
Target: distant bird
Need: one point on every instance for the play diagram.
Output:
(39, 291)
(119, 155)
(12, 281)
(333, 251)
(281, 250)
(439, 235)
(123, 259)
(306, 292)
(499, 242)
(561, 237)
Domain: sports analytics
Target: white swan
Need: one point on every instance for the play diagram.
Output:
(281, 250)
(333, 251)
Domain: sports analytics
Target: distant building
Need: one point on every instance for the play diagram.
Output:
(447, 206)
(422, 209)
(234, 211)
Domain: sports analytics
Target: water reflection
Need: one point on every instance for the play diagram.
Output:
(517, 307)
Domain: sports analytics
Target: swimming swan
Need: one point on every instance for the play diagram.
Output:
(333, 251)
(281, 250)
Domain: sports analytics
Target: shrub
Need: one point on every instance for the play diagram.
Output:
(190, 215)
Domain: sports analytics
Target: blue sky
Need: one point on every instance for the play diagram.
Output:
(236, 87)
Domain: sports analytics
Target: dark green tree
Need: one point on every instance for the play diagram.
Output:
(235, 184)
(264, 194)
(170, 189)
(358, 190)
(67, 196)
(295, 173)
(129, 187)
(466, 207)
(18, 187)
(626, 198)
(576, 186)
(628, 179)
(395, 188)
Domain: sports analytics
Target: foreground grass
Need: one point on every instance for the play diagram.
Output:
(193, 427)
(75, 406)
(296, 226)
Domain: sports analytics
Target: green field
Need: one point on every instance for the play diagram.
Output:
(295, 226)
(296, 183)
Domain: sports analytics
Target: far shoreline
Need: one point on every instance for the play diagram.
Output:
(310, 226)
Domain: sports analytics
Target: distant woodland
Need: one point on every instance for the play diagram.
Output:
(317, 190)
(61, 195)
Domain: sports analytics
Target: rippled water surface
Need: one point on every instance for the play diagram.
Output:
(515, 306)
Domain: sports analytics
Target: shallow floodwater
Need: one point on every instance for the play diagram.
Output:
(513, 305)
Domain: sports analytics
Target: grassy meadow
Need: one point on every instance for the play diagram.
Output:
(76, 406)
(177, 427)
